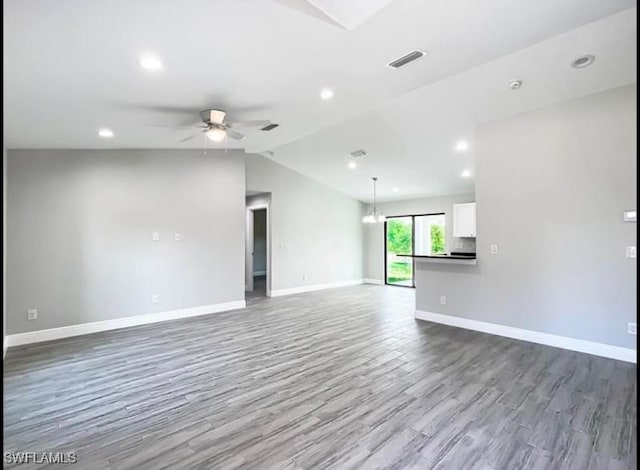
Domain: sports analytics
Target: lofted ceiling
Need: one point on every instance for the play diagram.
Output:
(71, 67)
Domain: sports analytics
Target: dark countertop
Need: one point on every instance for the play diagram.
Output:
(456, 256)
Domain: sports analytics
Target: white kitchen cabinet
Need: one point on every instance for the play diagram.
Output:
(464, 220)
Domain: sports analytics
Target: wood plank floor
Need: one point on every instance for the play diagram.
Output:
(342, 378)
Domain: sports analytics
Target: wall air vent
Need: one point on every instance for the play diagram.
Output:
(270, 127)
(405, 59)
(358, 153)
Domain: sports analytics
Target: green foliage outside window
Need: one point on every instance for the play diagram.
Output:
(437, 239)
(398, 237)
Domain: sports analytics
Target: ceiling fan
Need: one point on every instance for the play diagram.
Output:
(216, 129)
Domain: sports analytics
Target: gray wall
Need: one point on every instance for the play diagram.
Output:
(260, 241)
(4, 244)
(551, 186)
(80, 225)
(374, 233)
(315, 231)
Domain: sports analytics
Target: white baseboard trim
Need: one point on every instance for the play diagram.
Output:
(377, 282)
(564, 342)
(302, 289)
(115, 324)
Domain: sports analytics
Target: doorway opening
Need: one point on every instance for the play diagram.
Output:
(257, 268)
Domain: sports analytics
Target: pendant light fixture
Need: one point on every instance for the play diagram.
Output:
(374, 215)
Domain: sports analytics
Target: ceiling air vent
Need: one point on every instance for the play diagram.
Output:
(358, 153)
(405, 59)
(270, 127)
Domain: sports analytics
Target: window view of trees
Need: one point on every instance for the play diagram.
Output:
(399, 242)
(429, 230)
(399, 236)
(437, 239)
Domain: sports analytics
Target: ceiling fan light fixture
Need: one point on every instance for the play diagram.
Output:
(216, 135)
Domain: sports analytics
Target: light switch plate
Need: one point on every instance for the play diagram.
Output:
(177, 237)
(155, 236)
(631, 252)
(632, 328)
(494, 249)
(629, 216)
(32, 314)
(443, 300)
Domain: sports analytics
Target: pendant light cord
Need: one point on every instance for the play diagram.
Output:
(374, 194)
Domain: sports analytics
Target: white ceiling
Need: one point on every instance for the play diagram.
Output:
(348, 15)
(71, 67)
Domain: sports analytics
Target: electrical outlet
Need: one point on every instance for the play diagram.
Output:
(154, 299)
(631, 252)
(631, 328)
(459, 245)
(494, 249)
(443, 300)
(177, 237)
(32, 314)
(155, 236)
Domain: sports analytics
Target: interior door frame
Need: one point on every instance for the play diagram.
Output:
(413, 245)
(249, 247)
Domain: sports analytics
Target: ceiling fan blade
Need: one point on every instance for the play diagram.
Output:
(192, 136)
(261, 123)
(234, 135)
(159, 108)
(176, 127)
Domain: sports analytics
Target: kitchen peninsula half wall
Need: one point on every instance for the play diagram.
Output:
(540, 274)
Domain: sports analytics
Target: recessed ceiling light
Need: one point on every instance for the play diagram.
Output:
(466, 174)
(515, 84)
(106, 133)
(151, 62)
(395, 189)
(352, 165)
(582, 62)
(462, 146)
(326, 94)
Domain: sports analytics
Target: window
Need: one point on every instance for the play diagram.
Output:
(411, 235)
(429, 235)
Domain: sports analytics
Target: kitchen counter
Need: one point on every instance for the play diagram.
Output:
(448, 259)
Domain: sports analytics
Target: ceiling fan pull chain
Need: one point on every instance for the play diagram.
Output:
(226, 143)
(204, 144)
